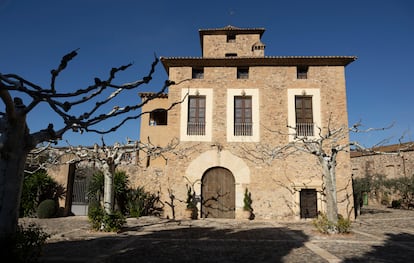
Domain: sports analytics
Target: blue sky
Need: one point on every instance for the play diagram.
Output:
(108, 33)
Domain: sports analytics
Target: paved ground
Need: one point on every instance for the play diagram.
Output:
(378, 235)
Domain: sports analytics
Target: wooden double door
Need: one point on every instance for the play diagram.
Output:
(218, 193)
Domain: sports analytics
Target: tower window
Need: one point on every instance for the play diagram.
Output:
(231, 38)
(198, 73)
(242, 73)
(231, 54)
(302, 72)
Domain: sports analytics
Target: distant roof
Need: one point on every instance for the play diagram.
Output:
(150, 94)
(230, 28)
(257, 61)
(392, 148)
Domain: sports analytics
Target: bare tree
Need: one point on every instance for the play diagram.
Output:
(16, 140)
(107, 158)
(325, 146)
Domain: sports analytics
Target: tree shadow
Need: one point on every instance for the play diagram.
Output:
(366, 210)
(186, 243)
(397, 248)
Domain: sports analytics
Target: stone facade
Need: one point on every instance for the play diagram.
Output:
(234, 65)
(391, 161)
(272, 83)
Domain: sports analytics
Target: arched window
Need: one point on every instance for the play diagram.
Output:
(158, 117)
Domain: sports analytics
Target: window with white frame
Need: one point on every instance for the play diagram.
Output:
(196, 114)
(196, 123)
(304, 115)
(304, 112)
(243, 115)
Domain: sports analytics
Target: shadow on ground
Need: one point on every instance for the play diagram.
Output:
(187, 244)
(373, 211)
(397, 248)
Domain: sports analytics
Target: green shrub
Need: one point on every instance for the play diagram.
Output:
(96, 189)
(379, 185)
(28, 243)
(191, 200)
(396, 203)
(47, 209)
(96, 214)
(36, 188)
(113, 222)
(142, 203)
(121, 190)
(343, 225)
(325, 226)
(247, 201)
(101, 221)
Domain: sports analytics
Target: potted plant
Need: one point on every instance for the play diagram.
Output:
(191, 210)
(247, 205)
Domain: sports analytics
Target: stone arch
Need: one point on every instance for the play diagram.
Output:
(218, 193)
(225, 159)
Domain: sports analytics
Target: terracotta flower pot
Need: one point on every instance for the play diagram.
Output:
(246, 214)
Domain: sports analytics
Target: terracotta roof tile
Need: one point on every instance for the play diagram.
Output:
(149, 94)
(222, 30)
(392, 148)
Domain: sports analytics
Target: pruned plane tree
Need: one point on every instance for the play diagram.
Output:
(20, 97)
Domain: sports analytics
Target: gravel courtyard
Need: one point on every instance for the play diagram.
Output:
(378, 235)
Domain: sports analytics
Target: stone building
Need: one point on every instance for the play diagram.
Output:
(389, 161)
(392, 161)
(235, 100)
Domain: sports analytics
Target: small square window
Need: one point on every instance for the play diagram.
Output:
(198, 73)
(231, 38)
(302, 72)
(231, 55)
(158, 117)
(242, 73)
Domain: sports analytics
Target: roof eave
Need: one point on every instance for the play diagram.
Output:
(258, 61)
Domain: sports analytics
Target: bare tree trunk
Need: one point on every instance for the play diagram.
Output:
(329, 181)
(108, 171)
(12, 162)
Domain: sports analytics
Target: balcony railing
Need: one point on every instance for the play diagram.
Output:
(196, 128)
(305, 129)
(243, 129)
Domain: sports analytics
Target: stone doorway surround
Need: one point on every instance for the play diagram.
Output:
(217, 194)
(225, 159)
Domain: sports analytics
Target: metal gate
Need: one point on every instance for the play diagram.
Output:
(80, 196)
(218, 194)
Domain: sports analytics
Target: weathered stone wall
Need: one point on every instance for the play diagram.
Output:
(389, 165)
(217, 45)
(274, 187)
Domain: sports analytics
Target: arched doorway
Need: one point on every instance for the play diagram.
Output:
(218, 193)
